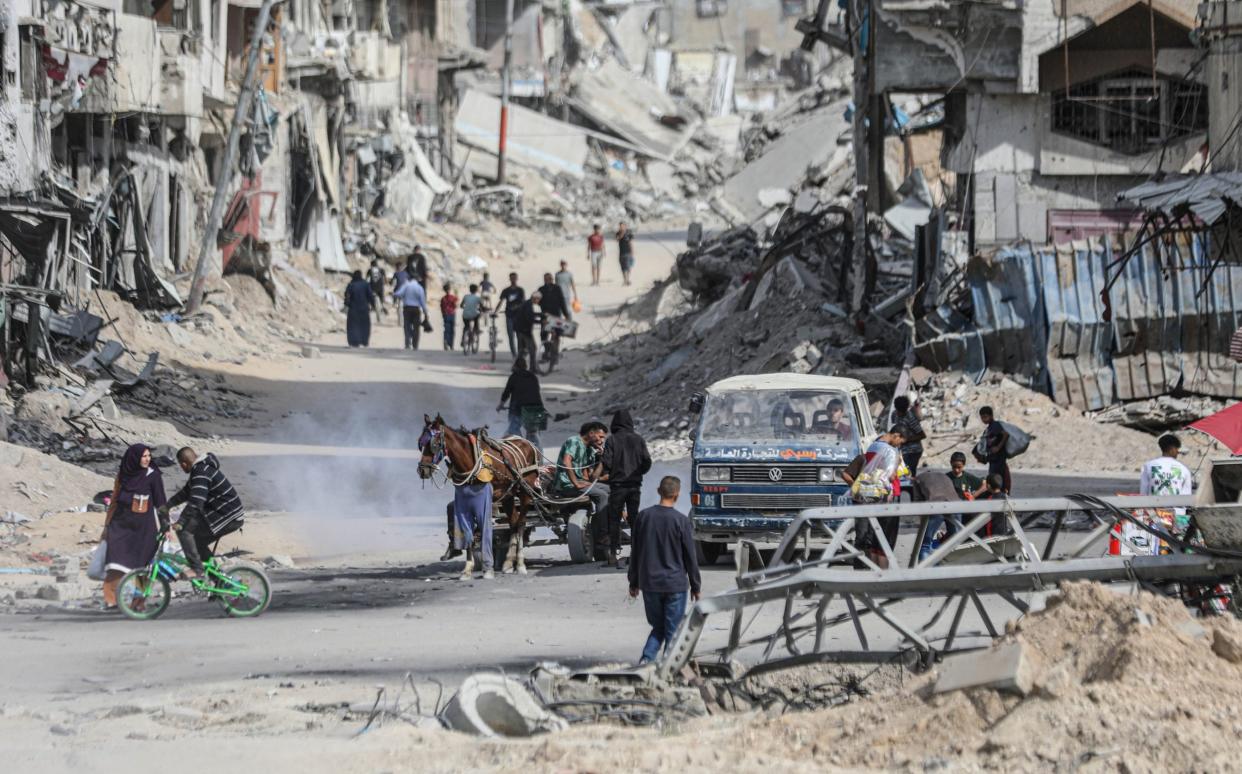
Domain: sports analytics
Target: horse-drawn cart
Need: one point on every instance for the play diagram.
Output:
(521, 490)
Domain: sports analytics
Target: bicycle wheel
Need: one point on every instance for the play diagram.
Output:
(142, 597)
(258, 590)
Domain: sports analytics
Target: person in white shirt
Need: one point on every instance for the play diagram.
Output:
(1166, 475)
(413, 311)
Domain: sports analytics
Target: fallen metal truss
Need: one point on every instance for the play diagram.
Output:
(823, 599)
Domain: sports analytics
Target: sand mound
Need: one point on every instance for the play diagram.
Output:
(1127, 681)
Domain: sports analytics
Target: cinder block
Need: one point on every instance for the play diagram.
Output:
(1003, 668)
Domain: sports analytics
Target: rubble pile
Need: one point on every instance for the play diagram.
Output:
(654, 372)
(1062, 438)
(1128, 681)
(163, 389)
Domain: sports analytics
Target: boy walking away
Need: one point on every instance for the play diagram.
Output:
(995, 441)
(376, 279)
(595, 252)
(623, 464)
(521, 391)
(907, 418)
(471, 309)
(565, 281)
(448, 311)
(625, 251)
(510, 299)
(662, 565)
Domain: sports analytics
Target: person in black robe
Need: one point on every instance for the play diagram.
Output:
(131, 527)
(358, 300)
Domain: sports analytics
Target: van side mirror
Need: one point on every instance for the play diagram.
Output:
(696, 402)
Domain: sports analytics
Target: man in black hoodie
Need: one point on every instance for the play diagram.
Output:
(624, 462)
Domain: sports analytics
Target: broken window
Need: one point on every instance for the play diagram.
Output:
(708, 9)
(1129, 112)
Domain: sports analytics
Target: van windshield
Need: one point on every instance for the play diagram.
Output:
(819, 416)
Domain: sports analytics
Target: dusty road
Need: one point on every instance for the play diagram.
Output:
(370, 601)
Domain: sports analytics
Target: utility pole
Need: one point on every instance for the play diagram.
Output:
(505, 87)
(861, 42)
(863, 39)
(224, 177)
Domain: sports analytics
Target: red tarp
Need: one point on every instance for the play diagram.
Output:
(1225, 426)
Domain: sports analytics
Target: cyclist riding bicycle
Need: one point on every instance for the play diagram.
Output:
(471, 311)
(212, 509)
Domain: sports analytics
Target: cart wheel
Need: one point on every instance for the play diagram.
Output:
(578, 536)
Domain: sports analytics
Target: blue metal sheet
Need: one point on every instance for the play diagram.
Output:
(1009, 316)
(1040, 318)
(1079, 339)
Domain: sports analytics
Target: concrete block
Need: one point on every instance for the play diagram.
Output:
(1227, 645)
(489, 704)
(49, 593)
(1004, 667)
(311, 352)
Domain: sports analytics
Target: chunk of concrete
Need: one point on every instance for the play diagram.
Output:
(1005, 667)
(49, 593)
(493, 705)
(310, 352)
(1227, 645)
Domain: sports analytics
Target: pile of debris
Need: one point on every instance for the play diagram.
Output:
(1062, 438)
(1069, 684)
(140, 375)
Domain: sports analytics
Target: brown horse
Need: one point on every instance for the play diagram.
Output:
(510, 462)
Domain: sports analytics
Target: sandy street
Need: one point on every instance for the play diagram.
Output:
(330, 463)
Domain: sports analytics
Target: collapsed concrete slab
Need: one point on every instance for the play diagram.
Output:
(811, 143)
(633, 108)
(534, 139)
(494, 705)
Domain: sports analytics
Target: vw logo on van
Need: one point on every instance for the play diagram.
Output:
(775, 474)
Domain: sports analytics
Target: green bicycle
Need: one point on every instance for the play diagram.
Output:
(241, 588)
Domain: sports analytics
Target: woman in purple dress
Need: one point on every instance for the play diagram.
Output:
(131, 527)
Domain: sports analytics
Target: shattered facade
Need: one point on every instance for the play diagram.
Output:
(1048, 118)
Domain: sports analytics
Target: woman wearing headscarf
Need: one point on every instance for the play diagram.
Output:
(131, 527)
(358, 300)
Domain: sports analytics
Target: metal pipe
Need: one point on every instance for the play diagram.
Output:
(505, 87)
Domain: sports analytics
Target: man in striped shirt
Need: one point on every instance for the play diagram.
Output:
(212, 508)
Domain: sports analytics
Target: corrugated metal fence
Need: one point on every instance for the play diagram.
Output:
(1039, 316)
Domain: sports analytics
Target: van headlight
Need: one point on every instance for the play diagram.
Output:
(713, 473)
(827, 474)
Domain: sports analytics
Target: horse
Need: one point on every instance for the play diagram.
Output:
(512, 462)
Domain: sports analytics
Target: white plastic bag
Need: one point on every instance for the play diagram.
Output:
(875, 483)
(97, 569)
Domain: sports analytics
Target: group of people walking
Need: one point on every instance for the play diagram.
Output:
(367, 293)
